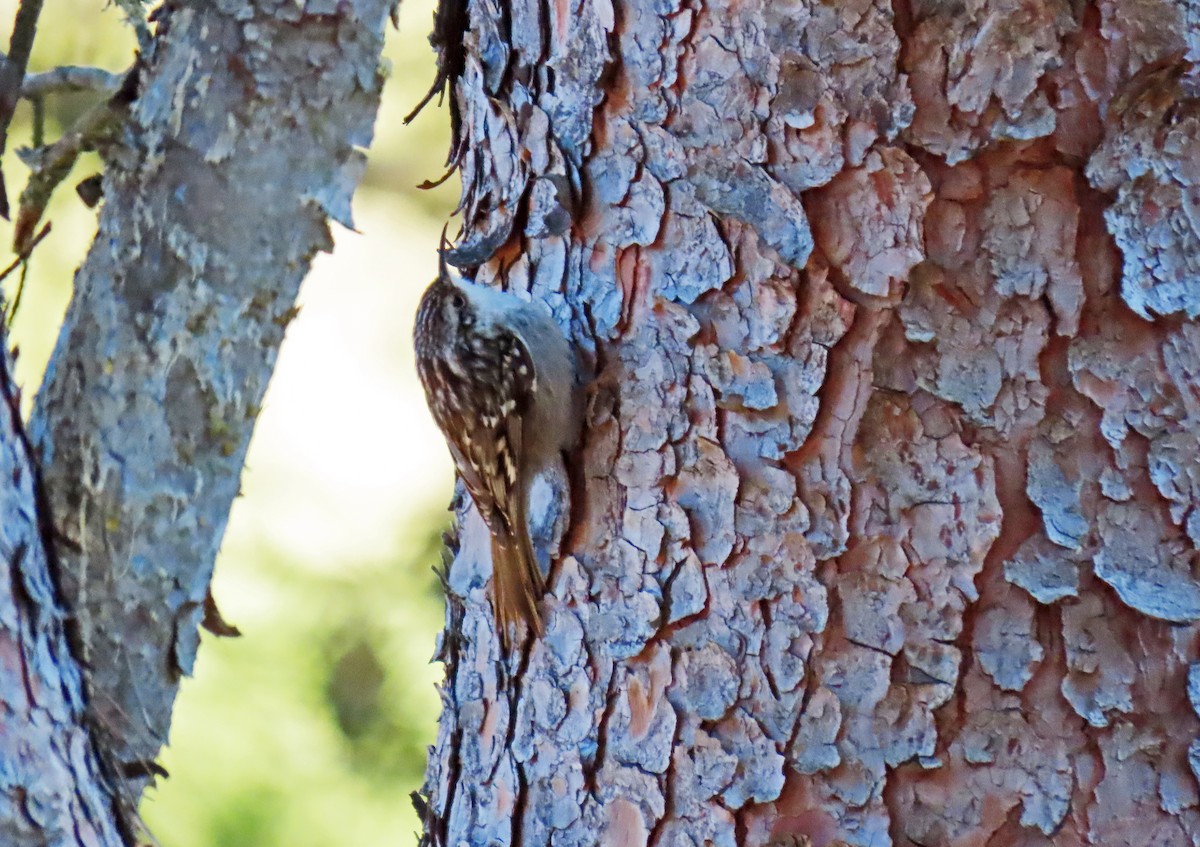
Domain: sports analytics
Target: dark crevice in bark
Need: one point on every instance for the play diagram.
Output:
(591, 771)
(519, 804)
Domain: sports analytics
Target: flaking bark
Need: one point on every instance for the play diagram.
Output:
(885, 522)
(246, 134)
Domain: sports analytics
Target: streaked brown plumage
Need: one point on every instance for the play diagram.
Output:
(500, 382)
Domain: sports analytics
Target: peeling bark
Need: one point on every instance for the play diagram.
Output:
(885, 523)
(245, 136)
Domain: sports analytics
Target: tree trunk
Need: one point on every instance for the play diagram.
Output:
(884, 526)
(55, 790)
(244, 135)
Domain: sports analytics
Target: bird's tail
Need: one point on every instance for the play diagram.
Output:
(517, 582)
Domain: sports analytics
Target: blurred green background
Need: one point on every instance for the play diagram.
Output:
(311, 729)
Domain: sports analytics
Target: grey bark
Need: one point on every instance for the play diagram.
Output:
(54, 788)
(885, 521)
(246, 134)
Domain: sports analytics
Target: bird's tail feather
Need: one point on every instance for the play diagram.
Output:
(517, 583)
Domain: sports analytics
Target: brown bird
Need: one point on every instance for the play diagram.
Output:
(500, 380)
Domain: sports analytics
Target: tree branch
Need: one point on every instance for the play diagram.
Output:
(71, 78)
(20, 46)
(50, 165)
(12, 74)
(234, 157)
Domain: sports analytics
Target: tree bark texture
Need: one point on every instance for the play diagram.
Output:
(884, 528)
(54, 790)
(246, 133)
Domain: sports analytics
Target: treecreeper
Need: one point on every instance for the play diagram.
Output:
(502, 384)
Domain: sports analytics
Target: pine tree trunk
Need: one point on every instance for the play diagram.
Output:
(884, 526)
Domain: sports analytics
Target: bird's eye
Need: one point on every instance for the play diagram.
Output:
(459, 300)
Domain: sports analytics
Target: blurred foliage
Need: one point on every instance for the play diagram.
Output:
(311, 729)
